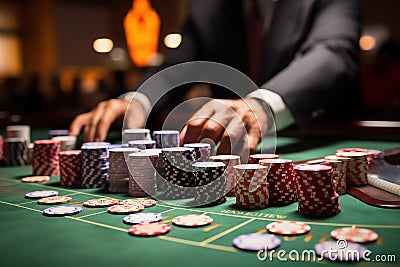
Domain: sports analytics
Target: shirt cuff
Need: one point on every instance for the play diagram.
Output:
(141, 98)
(283, 116)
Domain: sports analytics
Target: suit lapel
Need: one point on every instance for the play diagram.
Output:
(283, 38)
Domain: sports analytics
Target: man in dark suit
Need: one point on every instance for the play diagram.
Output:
(301, 54)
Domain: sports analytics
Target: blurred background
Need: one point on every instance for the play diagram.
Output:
(59, 58)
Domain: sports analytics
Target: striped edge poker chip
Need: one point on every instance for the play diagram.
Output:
(100, 202)
(256, 242)
(35, 179)
(357, 235)
(125, 209)
(62, 211)
(351, 251)
(149, 229)
(54, 200)
(192, 220)
(142, 217)
(41, 194)
(147, 202)
(288, 228)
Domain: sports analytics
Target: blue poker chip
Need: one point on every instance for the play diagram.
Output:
(87, 144)
(58, 132)
(62, 211)
(142, 217)
(340, 250)
(256, 242)
(41, 194)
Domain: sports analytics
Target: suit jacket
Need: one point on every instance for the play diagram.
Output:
(309, 53)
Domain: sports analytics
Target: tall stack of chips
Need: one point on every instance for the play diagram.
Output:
(160, 171)
(15, 151)
(255, 158)
(357, 167)
(118, 173)
(71, 168)
(339, 174)
(282, 181)
(179, 175)
(203, 150)
(316, 190)
(95, 164)
(142, 178)
(166, 138)
(67, 142)
(135, 134)
(252, 189)
(142, 144)
(46, 160)
(210, 183)
(1, 148)
(19, 131)
(231, 178)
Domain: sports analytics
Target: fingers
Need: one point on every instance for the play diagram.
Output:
(231, 137)
(191, 133)
(90, 133)
(78, 123)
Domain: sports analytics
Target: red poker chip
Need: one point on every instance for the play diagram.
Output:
(149, 229)
(288, 228)
(100, 202)
(357, 235)
(35, 179)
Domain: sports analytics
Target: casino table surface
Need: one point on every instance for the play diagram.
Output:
(96, 238)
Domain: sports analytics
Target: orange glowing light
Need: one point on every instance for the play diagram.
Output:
(142, 30)
(367, 43)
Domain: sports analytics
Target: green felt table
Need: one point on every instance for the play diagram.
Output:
(96, 238)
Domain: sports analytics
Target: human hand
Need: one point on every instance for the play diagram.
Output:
(97, 122)
(238, 124)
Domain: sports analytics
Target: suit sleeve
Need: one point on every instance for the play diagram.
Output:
(325, 67)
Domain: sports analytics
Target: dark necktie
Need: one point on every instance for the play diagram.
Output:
(255, 36)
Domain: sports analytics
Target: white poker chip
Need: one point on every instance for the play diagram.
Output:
(41, 194)
(288, 228)
(192, 220)
(62, 211)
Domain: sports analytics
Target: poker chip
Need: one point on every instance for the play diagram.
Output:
(340, 251)
(142, 217)
(357, 235)
(256, 242)
(95, 164)
(100, 202)
(71, 168)
(62, 211)
(15, 151)
(125, 209)
(192, 220)
(41, 194)
(230, 176)
(166, 138)
(135, 134)
(149, 229)
(54, 200)
(35, 179)
(45, 158)
(147, 202)
(288, 228)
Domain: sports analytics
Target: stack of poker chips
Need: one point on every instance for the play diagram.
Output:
(71, 168)
(67, 142)
(166, 138)
(158, 164)
(46, 160)
(371, 153)
(95, 164)
(142, 178)
(255, 158)
(179, 176)
(282, 181)
(315, 189)
(118, 173)
(15, 151)
(60, 132)
(210, 183)
(1, 148)
(339, 166)
(231, 178)
(142, 144)
(19, 131)
(252, 189)
(203, 150)
(357, 167)
(135, 134)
